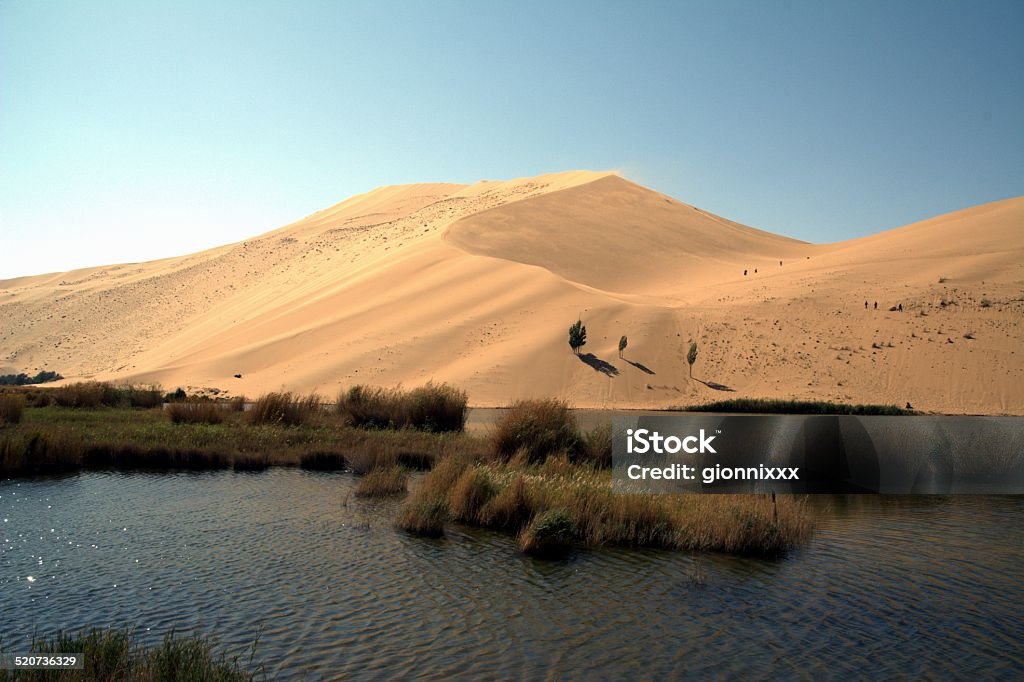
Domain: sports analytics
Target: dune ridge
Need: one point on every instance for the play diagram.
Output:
(478, 284)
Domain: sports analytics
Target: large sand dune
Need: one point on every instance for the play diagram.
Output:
(477, 285)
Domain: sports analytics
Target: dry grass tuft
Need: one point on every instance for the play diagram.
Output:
(471, 492)
(12, 405)
(286, 409)
(87, 394)
(371, 456)
(195, 412)
(537, 427)
(437, 408)
(93, 394)
(549, 535)
(597, 446)
(383, 482)
(424, 517)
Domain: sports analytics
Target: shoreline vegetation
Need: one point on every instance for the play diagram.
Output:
(798, 407)
(535, 475)
(116, 654)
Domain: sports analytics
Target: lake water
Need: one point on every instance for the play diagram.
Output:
(888, 586)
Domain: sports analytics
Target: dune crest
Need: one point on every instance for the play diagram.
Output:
(478, 284)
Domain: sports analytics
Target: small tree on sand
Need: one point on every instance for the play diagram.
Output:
(622, 345)
(691, 357)
(577, 336)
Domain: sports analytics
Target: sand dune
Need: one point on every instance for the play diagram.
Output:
(478, 284)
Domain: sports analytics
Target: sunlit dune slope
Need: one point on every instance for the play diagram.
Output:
(478, 284)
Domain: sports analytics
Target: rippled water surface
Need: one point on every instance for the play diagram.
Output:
(923, 586)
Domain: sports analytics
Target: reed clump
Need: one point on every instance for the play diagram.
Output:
(383, 482)
(597, 446)
(12, 405)
(195, 412)
(424, 517)
(537, 428)
(370, 457)
(93, 394)
(437, 408)
(117, 655)
(287, 409)
(427, 512)
(516, 495)
(88, 394)
(550, 534)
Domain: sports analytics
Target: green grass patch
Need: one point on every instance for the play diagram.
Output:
(117, 655)
(57, 440)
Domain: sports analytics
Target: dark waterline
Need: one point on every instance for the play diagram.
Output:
(919, 586)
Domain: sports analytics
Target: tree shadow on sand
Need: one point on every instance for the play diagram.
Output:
(716, 386)
(599, 365)
(641, 366)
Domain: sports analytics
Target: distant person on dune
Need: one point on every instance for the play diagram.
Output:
(876, 305)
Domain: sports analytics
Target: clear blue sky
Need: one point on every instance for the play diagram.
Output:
(142, 129)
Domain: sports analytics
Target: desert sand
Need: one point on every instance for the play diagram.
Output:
(477, 285)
